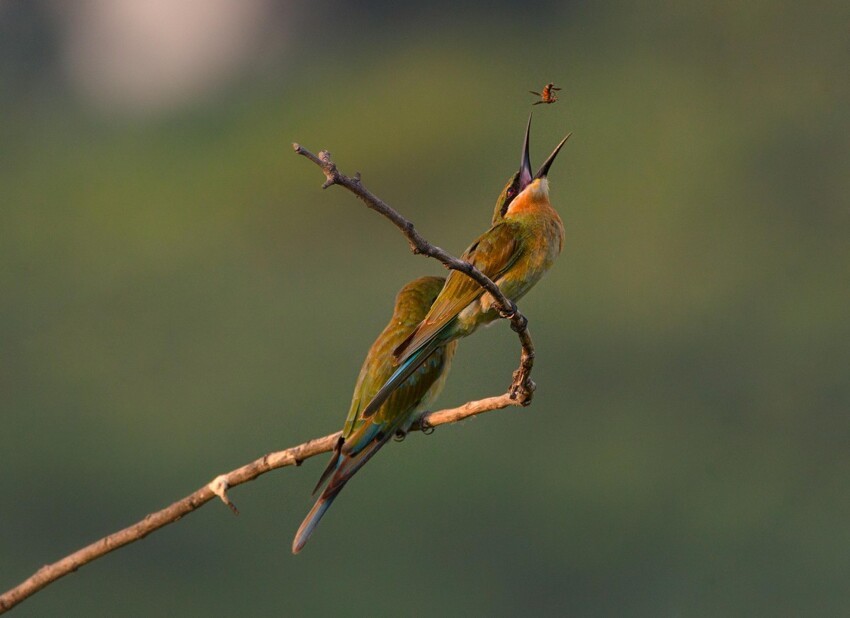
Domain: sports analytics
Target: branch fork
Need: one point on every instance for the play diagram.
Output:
(219, 486)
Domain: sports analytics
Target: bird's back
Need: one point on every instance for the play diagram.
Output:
(411, 306)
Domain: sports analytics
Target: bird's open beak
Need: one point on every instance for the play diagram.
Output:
(525, 177)
(544, 169)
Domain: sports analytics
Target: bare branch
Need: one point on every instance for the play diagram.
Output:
(218, 487)
(519, 394)
(522, 387)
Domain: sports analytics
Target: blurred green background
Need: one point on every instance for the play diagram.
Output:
(178, 297)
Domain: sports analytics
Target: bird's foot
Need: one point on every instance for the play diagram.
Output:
(519, 324)
(508, 312)
(426, 427)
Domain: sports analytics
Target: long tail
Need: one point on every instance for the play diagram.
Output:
(404, 371)
(347, 466)
(310, 522)
(333, 464)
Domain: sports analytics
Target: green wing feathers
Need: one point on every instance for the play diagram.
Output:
(493, 254)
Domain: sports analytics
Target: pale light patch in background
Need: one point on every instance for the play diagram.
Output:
(143, 56)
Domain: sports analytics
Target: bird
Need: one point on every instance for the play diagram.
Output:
(362, 438)
(547, 95)
(526, 237)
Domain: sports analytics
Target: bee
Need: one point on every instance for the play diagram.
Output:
(547, 95)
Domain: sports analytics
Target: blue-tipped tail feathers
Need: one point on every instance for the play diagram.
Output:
(310, 522)
(346, 465)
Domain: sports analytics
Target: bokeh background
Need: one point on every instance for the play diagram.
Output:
(178, 297)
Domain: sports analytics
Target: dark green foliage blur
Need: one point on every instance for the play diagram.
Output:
(178, 297)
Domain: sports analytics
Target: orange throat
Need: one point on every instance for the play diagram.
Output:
(534, 198)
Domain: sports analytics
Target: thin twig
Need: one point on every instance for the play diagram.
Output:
(218, 487)
(522, 387)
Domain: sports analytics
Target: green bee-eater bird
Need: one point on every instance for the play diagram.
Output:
(361, 438)
(526, 237)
